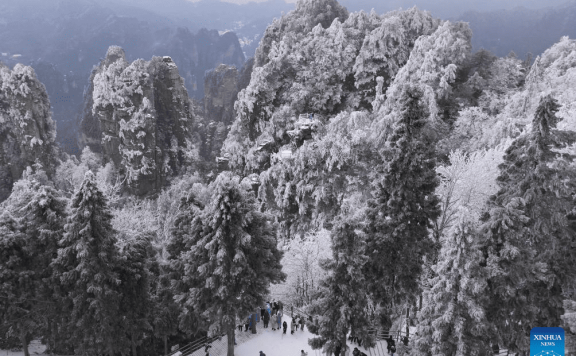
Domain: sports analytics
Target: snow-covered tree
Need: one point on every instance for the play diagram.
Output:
(301, 263)
(468, 181)
(342, 304)
(452, 320)
(231, 257)
(530, 209)
(32, 223)
(432, 67)
(135, 303)
(387, 47)
(86, 265)
(404, 207)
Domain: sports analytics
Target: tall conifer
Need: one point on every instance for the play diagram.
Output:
(135, 256)
(33, 220)
(452, 320)
(404, 206)
(343, 305)
(86, 265)
(232, 258)
(530, 245)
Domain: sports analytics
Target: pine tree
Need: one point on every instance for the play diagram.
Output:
(399, 216)
(33, 229)
(453, 319)
(530, 244)
(232, 257)
(86, 266)
(343, 305)
(135, 303)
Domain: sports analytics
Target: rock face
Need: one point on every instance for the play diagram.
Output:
(220, 93)
(63, 39)
(221, 87)
(27, 132)
(139, 116)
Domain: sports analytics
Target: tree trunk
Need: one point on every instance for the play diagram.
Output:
(230, 330)
(344, 350)
(24, 340)
(133, 342)
(254, 317)
(407, 321)
(165, 345)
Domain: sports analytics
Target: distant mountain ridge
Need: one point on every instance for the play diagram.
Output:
(521, 30)
(63, 40)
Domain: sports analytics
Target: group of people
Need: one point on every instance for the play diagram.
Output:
(297, 321)
(271, 312)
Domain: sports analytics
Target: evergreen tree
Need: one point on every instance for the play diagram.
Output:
(399, 216)
(232, 257)
(453, 319)
(343, 305)
(86, 266)
(135, 303)
(33, 219)
(530, 245)
(15, 307)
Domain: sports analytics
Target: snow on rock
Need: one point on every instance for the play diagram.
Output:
(28, 132)
(139, 116)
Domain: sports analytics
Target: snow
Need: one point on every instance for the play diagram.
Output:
(35, 348)
(275, 343)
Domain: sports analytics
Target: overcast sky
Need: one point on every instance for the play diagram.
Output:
(440, 8)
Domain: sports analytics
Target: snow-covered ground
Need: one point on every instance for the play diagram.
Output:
(274, 343)
(35, 348)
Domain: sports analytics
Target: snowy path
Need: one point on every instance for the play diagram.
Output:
(274, 343)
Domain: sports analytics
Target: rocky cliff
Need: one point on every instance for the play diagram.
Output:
(221, 87)
(27, 132)
(63, 39)
(139, 116)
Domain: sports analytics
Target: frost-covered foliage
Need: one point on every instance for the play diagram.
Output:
(229, 256)
(31, 224)
(432, 67)
(530, 209)
(86, 269)
(27, 131)
(453, 319)
(140, 118)
(310, 170)
(328, 70)
(468, 181)
(301, 263)
(71, 171)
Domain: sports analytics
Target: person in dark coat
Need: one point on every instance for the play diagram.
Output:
(337, 350)
(296, 322)
(266, 318)
(284, 326)
(262, 311)
(356, 352)
(279, 320)
(262, 353)
(302, 323)
(391, 345)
